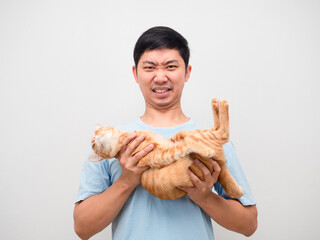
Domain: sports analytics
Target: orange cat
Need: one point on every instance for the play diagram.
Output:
(170, 158)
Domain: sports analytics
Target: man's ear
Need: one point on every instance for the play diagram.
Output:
(135, 74)
(188, 72)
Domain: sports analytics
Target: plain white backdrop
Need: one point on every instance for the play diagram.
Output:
(66, 65)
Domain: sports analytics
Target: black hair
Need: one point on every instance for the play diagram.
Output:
(159, 38)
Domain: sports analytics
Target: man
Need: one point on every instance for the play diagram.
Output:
(110, 190)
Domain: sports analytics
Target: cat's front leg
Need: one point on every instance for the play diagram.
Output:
(228, 182)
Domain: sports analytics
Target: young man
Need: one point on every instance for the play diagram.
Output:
(110, 190)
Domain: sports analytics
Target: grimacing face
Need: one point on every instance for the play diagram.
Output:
(161, 75)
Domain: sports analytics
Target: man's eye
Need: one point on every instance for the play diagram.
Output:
(148, 68)
(172, 66)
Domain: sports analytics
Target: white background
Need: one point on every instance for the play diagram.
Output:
(66, 65)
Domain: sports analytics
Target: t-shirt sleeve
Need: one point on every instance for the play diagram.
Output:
(237, 172)
(94, 179)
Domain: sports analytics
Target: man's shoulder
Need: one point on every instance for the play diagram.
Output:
(129, 126)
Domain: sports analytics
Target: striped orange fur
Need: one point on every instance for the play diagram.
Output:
(170, 158)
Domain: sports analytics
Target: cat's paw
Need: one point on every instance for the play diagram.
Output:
(224, 104)
(214, 103)
(208, 153)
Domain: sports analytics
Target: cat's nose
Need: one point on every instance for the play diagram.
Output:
(93, 139)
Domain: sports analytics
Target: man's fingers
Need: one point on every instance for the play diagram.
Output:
(194, 178)
(143, 168)
(127, 140)
(134, 144)
(216, 170)
(204, 169)
(143, 152)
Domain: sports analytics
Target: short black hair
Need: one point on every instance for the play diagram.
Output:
(159, 38)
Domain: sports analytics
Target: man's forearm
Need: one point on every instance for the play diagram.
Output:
(230, 214)
(97, 212)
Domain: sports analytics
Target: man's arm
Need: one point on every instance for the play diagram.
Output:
(230, 214)
(97, 212)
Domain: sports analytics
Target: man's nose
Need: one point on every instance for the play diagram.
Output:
(160, 76)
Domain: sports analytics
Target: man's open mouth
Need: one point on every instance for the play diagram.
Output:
(161, 90)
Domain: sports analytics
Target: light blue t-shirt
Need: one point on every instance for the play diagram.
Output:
(144, 216)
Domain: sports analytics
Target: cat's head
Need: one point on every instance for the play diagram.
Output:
(105, 141)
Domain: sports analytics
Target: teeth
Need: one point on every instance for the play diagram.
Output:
(160, 91)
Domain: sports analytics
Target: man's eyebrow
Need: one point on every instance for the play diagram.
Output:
(166, 63)
(171, 61)
(148, 62)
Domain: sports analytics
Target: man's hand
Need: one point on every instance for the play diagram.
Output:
(131, 173)
(202, 189)
(98, 211)
(229, 213)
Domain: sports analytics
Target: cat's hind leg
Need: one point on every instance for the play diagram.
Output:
(215, 111)
(223, 130)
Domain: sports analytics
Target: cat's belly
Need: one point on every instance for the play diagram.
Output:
(163, 182)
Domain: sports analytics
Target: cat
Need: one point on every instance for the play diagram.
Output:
(170, 158)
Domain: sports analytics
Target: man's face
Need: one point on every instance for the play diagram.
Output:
(161, 75)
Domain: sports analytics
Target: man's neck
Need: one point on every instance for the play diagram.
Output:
(164, 117)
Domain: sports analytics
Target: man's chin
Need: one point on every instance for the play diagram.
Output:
(163, 104)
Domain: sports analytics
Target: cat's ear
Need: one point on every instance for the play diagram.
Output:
(97, 127)
(93, 157)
